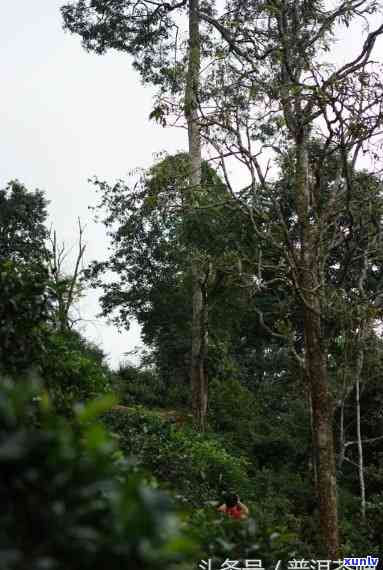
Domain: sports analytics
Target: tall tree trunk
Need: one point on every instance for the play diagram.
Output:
(315, 354)
(323, 435)
(197, 373)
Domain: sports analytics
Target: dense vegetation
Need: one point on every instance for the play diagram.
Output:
(95, 489)
(260, 309)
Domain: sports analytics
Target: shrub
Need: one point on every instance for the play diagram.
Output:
(73, 370)
(139, 386)
(222, 538)
(69, 501)
(197, 466)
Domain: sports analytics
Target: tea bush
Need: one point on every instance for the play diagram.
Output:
(138, 386)
(222, 538)
(69, 500)
(197, 466)
(73, 370)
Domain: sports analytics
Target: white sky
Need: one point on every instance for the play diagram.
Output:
(67, 115)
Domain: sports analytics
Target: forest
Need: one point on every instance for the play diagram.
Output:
(252, 261)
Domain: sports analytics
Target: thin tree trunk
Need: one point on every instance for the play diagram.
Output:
(204, 352)
(359, 366)
(363, 329)
(197, 373)
(341, 436)
(315, 356)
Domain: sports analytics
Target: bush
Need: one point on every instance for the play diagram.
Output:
(222, 538)
(73, 370)
(69, 501)
(197, 466)
(139, 386)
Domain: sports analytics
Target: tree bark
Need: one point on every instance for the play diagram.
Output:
(323, 436)
(315, 354)
(199, 329)
(313, 460)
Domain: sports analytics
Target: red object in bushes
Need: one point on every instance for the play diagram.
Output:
(234, 512)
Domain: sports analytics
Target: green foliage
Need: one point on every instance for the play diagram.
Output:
(24, 309)
(68, 500)
(288, 497)
(269, 425)
(25, 303)
(138, 386)
(152, 245)
(222, 538)
(153, 234)
(73, 370)
(365, 536)
(197, 466)
(147, 34)
(283, 430)
(232, 411)
(22, 229)
(220, 360)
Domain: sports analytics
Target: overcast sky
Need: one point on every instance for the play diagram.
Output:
(67, 115)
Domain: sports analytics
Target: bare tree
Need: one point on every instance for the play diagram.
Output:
(66, 288)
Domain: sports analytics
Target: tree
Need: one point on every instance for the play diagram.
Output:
(24, 310)
(140, 31)
(24, 277)
(152, 228)
(269, 91)
(66, 289)
(360, 300)
(199, 299)
(22, 224)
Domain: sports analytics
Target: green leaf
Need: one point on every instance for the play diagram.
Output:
(97, 407)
